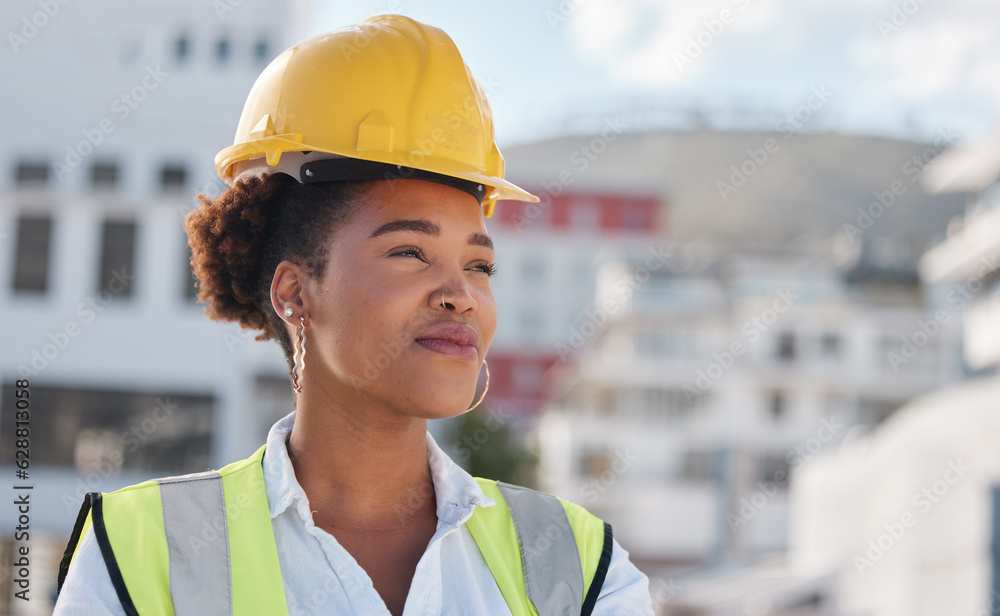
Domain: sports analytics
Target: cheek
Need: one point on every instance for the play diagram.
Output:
(377, 314)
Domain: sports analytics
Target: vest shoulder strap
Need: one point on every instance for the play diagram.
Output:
(191, 544)
(91, 517)
(546, 554)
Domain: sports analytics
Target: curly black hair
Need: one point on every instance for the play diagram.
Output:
(239, 238)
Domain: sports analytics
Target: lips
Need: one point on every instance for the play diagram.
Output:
(452, 339)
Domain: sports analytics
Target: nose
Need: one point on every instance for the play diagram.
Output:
(453, 298)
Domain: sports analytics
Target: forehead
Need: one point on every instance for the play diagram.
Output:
(450, 208)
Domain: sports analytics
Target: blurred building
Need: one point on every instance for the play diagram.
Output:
(702, 388)
(760, 328)
(547, 255)
(114, 113)
(908, 517)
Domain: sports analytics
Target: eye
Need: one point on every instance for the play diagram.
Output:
(488, 268)
(409, 251)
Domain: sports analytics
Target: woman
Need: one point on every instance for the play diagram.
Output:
(353, 233)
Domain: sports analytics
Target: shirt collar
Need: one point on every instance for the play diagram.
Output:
(457, 492)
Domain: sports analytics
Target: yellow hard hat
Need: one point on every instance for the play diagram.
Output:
(387, 98)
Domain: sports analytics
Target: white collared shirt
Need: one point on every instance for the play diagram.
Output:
(321, 577)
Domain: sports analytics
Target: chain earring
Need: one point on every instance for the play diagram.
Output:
(299, 355)
(486, 389)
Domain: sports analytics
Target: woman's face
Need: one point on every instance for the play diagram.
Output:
(376, 322)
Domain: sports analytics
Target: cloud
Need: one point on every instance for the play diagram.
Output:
(638, 41)
(903, 54)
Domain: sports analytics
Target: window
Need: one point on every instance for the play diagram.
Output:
(182, 49)
(777, 404)
(261, 51)
(272, 397)
(31, 261)
(190, 281)
(173, 178)
(697, 465)
(31, 173)
(772, 467)
(584, 214)
(534, 217)
(102, 432)
(222, 49)
(899, 354)
(635, 218)
(669, 344)
(786, 346)
(659, 405)
(872, 412)
(527, 378)
(830, 345)
(104, 175)
(117, 256)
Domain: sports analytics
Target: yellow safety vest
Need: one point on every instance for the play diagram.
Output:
(172, 545)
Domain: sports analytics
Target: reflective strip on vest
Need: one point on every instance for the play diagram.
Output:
(200, 579)
(553, 577)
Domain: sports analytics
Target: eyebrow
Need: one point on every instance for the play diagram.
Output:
(429, 228)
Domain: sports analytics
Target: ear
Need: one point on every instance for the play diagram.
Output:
(287, 287)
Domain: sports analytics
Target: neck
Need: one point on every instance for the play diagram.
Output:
(362, 467)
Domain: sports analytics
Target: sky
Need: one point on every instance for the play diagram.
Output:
(906, 69)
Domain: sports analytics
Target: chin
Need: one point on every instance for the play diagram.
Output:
(441, 401)
(443, 408)
(439, 393)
